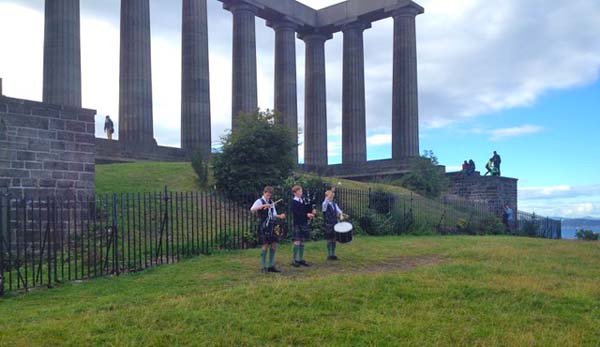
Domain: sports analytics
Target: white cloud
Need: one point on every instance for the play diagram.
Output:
(504, 133)
(379, 140)
(558, 192)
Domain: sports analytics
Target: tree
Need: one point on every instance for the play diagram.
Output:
(425, 176)
(257, 154)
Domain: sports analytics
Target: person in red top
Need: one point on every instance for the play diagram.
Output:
(465, 167)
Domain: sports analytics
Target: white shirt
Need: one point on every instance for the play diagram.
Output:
(258, 203)
(335, 206)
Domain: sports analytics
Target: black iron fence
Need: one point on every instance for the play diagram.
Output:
(53, 240)
(530, 224)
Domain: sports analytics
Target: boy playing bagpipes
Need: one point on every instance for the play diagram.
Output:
(266, 216)
(302, 212)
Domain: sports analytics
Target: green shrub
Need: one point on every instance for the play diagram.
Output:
(381, 201)
(259, 153)
(587, 235)
(530, 227)
(200, 166)
(491, 225)
(425, 176)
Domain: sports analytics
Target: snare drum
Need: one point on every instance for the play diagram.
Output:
(343, 232)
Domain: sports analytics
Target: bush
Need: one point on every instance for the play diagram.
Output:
(587, 235)
(530, 227)
(491, 225)
(425, 176)
(200, 166)
(259, 153)
(381, 201)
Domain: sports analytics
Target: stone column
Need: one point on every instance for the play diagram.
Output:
(315, 100)
(135, 77)
(195, 81)
(354, 133)
(405, 104)
(244, 89)
(62, 53)
(286, 92)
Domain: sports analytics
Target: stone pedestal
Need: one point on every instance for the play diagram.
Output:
(354, 134)
(315, 100)
(286, 92)
(135, 78)
(244, 89)
(62, 53)
(405, 104)
(195, 80)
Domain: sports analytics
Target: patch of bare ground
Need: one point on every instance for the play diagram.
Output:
(346, 266)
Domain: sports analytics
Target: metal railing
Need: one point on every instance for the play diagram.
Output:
(52, 240)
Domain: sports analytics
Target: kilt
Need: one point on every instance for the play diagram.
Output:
(266, 235)
(301, 233)
(329, 232)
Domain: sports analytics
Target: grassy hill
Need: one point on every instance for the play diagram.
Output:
(153, 176)
(428, 291)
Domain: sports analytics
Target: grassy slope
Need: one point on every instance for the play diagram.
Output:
(492, 291)
(145, 177)
(153, 176)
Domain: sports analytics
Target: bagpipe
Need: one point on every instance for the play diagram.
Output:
(272, 226)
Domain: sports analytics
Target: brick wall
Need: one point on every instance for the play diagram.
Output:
(493, 191)
(45, 149)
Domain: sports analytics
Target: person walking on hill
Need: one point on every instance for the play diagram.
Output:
(109, 128)
(497, 160)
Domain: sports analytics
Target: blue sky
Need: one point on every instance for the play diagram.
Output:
(517, 76)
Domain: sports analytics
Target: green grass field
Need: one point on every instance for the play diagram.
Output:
(407, 291)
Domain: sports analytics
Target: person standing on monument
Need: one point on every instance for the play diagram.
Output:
(497, 160)
(109, 128)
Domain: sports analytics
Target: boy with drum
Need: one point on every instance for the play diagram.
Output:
(302, 212)
(266, 215)
(331, 212)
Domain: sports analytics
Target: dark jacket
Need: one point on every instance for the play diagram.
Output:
(109, 126)
(299, 211)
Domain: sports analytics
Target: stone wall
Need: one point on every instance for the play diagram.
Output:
(492, 191)
(46, 150)
(118, 152)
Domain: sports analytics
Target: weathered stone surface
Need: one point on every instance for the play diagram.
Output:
(405, 99)
(491, 191)
(286, 92)
(135, 77)
(354, 132)
(195, 84)
(315, 100)
(38, 163)
(118, 152)
(62, 54)
(244, 88)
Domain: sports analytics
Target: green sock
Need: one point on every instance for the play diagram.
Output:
(263, 259)
(329, 249)
(272, 257)
(333, 244)
(301, 252)
(295, 253)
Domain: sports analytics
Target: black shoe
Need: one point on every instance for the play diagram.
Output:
(295, 264)
(304, 263)
(264, 270)
(334, 257)
(273, 269)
